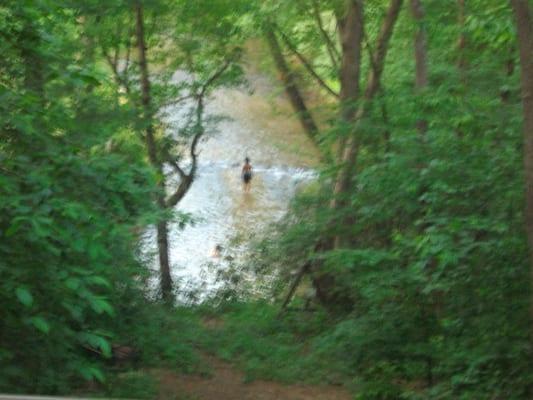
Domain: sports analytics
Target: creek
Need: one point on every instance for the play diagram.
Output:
(258, 124)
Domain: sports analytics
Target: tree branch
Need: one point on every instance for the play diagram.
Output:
(182, 190)
(199, 133)
(289, 83)
(375, 69)
(351, 146)
(115, 56)
(377, 57)
(179, 100)
(200, 112)
(121, 81)
(214, 77)
(371, 53)
(330, 46)
(174, 164)
(306, 63)
(188, 178)
(294, 285)
(127, 65)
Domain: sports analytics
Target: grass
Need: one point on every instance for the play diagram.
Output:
(133, 384)
(250, 335)
(267, 347)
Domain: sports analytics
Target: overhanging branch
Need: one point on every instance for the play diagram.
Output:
(186, 179)
(306, 63)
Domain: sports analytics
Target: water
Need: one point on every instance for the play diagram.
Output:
(259, 126)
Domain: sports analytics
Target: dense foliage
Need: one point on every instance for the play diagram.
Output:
(70, 206)
(79, 186)
(411, 243)
(433, 283)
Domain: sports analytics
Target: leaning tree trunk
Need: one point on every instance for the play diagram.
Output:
(289, 82)
(162, 226)
(524, 22)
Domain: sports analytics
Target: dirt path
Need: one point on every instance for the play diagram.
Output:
(227, 383)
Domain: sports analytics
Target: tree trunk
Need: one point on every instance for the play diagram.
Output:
(351, 36)
(349, 154)
(164, 262)
(291, 88)
(421, 74)
(162, 227)
(324, 281)
(524, 22)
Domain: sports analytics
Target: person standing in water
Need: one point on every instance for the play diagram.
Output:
(247, 174)
(217, 251)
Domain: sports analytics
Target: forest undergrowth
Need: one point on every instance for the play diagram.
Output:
(403, 271)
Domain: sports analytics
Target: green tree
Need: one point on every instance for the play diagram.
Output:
(70, 208)
(209, 60)
(432, 272)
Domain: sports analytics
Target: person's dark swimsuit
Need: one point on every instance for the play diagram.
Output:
(247, 173)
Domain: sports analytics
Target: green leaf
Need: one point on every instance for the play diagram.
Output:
(97, 342)
(99, 281)
(24, 296)
(100, 305)
(98, 374)
(89, 373)
(12, 230)
(75, 311)
(72, 283)
(40, 324)
(103, 345)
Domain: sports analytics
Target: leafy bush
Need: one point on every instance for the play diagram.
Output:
(69, 207)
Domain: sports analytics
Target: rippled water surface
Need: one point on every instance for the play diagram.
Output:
(260, 127)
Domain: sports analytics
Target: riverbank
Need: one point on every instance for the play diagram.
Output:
(234, 351)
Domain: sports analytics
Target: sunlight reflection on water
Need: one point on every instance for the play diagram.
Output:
(221, 210)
